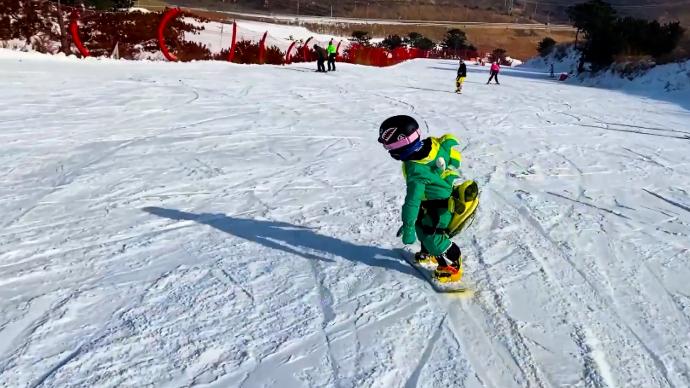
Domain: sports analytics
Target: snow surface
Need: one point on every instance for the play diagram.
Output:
(138, 9)
(15, 44)
(217, 225)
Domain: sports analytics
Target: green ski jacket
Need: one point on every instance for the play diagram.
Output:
(430, 178)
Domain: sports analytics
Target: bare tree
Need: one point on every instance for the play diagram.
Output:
(64, 40)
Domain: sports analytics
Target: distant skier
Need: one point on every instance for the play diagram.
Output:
(551, 70)
(460, 79)
(332, 53)
(320, 58)
(495, 68)
(430, 169)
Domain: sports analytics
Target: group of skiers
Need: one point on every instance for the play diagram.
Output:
(462, 74)
(328, 54)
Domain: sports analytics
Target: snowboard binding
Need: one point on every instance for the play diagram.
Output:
(447, 274)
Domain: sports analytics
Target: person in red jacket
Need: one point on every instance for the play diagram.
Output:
(495, 68)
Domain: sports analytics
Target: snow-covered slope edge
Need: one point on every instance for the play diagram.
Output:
(669, 81)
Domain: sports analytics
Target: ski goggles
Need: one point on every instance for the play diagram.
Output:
(403, 142)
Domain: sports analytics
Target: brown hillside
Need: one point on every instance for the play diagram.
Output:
(461, 10)
(519, 43)
(455, 10)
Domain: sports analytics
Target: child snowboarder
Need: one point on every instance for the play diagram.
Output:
(429, 167)
(460, 79)
(495, 68)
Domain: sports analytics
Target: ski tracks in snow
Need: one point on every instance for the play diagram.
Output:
(227, 235)
(584, 301)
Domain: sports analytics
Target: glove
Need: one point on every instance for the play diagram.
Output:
(408, 233)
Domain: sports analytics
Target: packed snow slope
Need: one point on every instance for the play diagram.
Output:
(220, 225)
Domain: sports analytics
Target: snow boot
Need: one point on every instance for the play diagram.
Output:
(449, 265)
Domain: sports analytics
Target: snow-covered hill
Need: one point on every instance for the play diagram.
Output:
(217, 225)
(656, 81)
(563, 57)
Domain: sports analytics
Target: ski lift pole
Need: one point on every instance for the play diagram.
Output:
(220, 43)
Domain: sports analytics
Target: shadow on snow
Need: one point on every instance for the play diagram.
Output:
(289, 238)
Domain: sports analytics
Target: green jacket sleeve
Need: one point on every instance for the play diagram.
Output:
(413, 200)
(448, 142)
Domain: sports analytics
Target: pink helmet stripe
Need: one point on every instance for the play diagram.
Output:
(403, 142)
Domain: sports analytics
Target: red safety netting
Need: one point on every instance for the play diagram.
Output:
(381, 57)
(378, 56)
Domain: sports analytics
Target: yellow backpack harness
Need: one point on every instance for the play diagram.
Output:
(463, 200)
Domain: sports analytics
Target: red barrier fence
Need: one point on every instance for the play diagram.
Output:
(288, 57)
(233, 45)
(74, 31)
(167, 17)
(262, 48)
(379, 56)
(305, 50)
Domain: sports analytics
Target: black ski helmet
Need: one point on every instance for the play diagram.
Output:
(400, 135)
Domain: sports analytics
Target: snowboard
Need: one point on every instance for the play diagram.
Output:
(427, 271)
